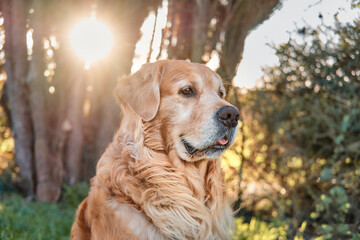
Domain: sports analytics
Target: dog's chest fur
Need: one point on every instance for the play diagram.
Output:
(183, 200)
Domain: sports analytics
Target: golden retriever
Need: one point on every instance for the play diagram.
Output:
(160, 177)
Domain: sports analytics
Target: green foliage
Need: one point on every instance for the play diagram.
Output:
(8, 169)
(21, 219)
(302, 129)
(73, 195)
(258, 230)
(325, 205)
(355, 3)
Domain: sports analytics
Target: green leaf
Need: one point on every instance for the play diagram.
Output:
(326, 175)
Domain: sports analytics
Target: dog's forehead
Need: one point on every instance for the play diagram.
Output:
(208, 78)
(193, 73)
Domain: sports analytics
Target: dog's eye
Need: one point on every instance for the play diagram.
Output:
(221, 94)
(187, 92)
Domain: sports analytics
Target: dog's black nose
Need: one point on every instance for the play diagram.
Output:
(228, 116)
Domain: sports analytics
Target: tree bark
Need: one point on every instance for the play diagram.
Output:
(48, 182)
(73, 157)
(240, 18)
(181, 29)
(65, 111)
(16, 66)
(201, 21)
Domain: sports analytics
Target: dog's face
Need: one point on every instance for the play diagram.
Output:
(188, 101)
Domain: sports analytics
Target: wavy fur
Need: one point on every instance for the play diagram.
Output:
(144, 190)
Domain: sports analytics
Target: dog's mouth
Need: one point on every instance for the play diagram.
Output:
(220, 145)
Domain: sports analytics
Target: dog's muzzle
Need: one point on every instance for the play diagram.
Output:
(227, 120)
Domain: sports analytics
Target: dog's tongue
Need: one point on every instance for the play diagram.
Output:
(222, 141)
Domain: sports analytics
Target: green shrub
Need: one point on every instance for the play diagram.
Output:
(301, 132)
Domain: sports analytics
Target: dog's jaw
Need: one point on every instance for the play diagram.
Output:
(210, 148)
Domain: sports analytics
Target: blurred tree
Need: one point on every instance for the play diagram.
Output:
(47, 103)
(62, 116)
(16, 68)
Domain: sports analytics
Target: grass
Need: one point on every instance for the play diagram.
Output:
(22, 219)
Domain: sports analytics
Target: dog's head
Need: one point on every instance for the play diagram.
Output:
(187, 99)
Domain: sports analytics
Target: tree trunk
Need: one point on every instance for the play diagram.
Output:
(240, 18)
(201, 21)
(48, 184)
(16, 66)
(73, 157)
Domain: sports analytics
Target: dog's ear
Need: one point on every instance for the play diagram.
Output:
(141, 91)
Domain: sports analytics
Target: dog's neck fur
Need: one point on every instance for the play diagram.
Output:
(185, 200)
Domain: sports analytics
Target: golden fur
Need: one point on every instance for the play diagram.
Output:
(145, 186)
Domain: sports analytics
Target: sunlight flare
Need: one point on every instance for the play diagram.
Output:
(91, 40)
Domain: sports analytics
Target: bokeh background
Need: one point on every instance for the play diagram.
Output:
(293, 171)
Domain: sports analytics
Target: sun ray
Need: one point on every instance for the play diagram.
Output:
(91, 40)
